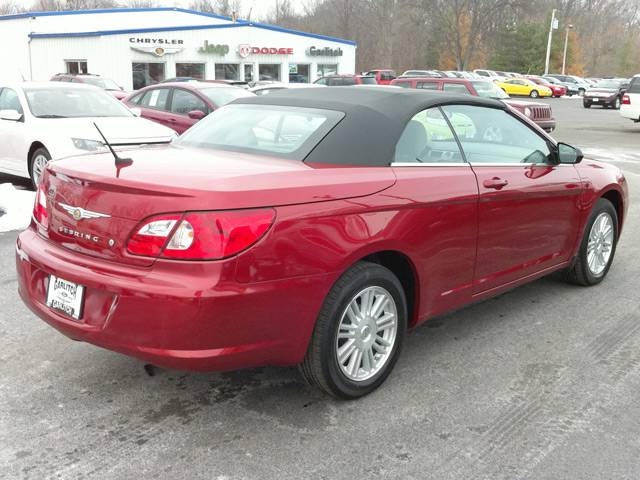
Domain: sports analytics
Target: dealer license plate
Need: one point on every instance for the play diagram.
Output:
(596, 99)
(66, 297)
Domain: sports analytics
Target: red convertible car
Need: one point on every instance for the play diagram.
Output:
(312, 227)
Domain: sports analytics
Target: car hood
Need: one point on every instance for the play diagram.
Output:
(173, 178)
(521, 104)
(603, 90)
(118, 130)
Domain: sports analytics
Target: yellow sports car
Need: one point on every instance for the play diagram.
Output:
(523, 86)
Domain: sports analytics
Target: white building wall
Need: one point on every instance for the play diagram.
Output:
(112, 56)
(14, 56)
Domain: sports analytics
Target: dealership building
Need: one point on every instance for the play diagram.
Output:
(140, 46)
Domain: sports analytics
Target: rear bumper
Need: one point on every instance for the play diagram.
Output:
(188, 316)
(631, 112)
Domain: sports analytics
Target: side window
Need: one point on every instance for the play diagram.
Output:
(155, 98)
(184, 102)
(9, 100)
(403, 84)
(136, 99)
(460, 88)
(427, 85)
(427, 138)
(491, 135)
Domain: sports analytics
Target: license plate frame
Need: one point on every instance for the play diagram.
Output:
(65, 297)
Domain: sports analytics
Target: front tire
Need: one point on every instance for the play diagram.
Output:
(597, 248)
(37, 163)
(359, 333)
(586, 104)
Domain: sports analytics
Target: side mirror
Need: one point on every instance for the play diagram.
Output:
(11, 115)
(136, 111)
(196, 114)
(569, 154)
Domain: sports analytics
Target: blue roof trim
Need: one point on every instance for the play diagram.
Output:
(160, 29)
(101, 33)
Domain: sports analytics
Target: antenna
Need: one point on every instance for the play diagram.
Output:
(119, 160)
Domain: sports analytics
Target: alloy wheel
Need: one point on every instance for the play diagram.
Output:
(366, 334)
(600, 244)
(39, 163)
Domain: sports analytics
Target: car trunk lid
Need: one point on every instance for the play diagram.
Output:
(95, 205)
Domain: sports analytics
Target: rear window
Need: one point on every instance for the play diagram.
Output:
(634, 87)
(286, 132)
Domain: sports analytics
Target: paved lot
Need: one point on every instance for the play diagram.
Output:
(540, 383)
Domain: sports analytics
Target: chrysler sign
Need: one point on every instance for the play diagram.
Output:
(245, 50)
(156, 46)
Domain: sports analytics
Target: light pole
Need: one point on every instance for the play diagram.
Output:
(552, 27)
(566, 42)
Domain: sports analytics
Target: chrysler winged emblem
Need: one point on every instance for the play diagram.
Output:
(80, 213)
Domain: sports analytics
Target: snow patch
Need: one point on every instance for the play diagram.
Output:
(17, 206)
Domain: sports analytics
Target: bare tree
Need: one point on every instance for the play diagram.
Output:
(8, 7)
(219, 7)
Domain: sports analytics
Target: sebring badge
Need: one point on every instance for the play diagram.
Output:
(80, 213)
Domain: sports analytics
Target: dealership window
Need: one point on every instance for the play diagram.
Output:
(147, 74)
(327, 69)
(269, 71)
(298, 73)
(248, 72)
(193, 70)
(76, 66)
(227, 71)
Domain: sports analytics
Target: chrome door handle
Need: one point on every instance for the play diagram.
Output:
(496, 183)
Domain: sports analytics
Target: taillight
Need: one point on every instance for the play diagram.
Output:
(40, 212)
(626, 100)
(200, 235)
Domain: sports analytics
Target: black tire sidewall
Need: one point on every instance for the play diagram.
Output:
(374, 275)
(38, 151)
(601, 206)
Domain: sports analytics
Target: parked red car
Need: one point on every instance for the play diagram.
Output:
(557, 90)
(382, 76)
(104, 83)
(312, 227)
(181, 105)
(540, 113)
(346, 80)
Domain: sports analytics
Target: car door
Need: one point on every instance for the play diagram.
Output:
(529, 204)
(440, 192)
(184, 101)
(154, 105)
(13, 155)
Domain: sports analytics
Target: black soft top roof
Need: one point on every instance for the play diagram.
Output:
(374, 118)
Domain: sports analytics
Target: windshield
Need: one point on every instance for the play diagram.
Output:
(104, 83)
(287, 132)
(612, 84)
(489, 90)
(220, 96)
(73, 103)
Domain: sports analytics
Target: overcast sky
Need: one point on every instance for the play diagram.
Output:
(259, 7)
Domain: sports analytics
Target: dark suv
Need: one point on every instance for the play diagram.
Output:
(346, 80)
(104, 83)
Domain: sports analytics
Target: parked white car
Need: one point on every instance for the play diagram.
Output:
(40, 121)
(630, 107)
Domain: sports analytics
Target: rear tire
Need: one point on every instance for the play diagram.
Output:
(37, 163)
(327, 363)
(534, 94)
(596, 253)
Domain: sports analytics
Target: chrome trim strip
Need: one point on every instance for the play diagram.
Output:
(509, 164)
(430, 164)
